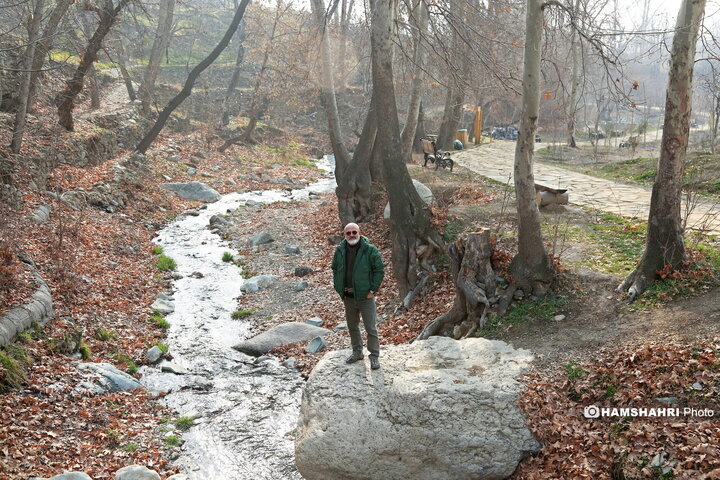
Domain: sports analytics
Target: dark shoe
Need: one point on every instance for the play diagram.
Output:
(354, 357)
(374, 363)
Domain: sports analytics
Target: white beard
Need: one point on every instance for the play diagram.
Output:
(353, 241)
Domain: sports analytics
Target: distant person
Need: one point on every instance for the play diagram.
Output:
(358, 271)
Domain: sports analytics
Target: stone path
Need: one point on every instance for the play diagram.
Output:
(495, 160)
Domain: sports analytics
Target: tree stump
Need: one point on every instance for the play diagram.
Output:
(475, 281)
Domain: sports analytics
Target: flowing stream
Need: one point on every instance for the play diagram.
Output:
(247, 407)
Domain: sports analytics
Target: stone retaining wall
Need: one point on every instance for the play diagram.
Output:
(39, 309)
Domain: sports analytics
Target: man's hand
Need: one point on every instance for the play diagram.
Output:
(370, 295)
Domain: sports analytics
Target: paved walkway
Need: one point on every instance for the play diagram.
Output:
(495, 160)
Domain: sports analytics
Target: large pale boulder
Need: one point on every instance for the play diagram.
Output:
(422, 190)
(437, 409)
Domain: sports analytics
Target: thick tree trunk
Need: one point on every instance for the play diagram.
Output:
(43, 47)
(23, 99)
(531, 268)
(452, 115)
(192, 77)
(420, 20)
(160, 43)
(415, 242)
(664, 244)
(65, 100)
(353, 178)
(475, 281)
(353, 190)
(327, 92)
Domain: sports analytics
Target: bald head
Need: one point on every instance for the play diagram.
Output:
(352, 233)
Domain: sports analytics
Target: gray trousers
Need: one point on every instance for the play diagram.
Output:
(354, 308)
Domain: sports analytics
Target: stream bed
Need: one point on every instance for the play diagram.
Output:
(247, 408)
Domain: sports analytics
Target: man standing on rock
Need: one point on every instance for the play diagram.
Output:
(358, 271)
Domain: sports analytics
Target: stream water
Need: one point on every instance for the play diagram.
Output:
(247, 407)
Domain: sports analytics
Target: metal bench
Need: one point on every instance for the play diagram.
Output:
(434, 155)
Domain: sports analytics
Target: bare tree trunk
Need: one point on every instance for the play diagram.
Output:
(258, 105)
(345, 13)
(420, 131)
(420, 20)
(235, 77)
(192, 77)
(353, 191)
(327, 92)
(531, 268)
(415, 242)
(471, 267)
(94, 88)
(65, 100)
(664, 244)
(575, 79)
(160, 43)
(122, 63)
(43, 47)
(21, 114)
(452, 115)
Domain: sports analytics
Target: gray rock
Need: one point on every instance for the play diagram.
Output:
(178, 476)
(302, 271)
(191, 171)
(283, 334)
(163, 306)
(260, 239)
(193, 191)
(315, 321)
(340, 327)
(206, 175)
(559, 318)
(154, 354)
(110, 378)
(697, 386)
(41, 215)
(251, 203)
(437, 409)
(170, 367)
(292, 250)
(424, 192)
(136, 472)
(257, 283)
(71, 476)
(316, 345)
(667, 400)
(335, 239)
(290, 362)
(300, 286)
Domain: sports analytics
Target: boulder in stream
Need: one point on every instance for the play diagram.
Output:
(136, 472)
(193, 191)
(437, 408)
(283, 334)
(110, 378)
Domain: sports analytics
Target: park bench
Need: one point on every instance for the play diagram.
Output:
(546, 195)
(631, 142)
(434, 155)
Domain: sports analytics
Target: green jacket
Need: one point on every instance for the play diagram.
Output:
(368, 271)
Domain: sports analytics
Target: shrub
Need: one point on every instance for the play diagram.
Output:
(184, 423)
(238, 314)
(105, 335)
(227, 257)
(13, 362)
(159, 320)
(85, 352)
(157, 250)
(166, 263)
